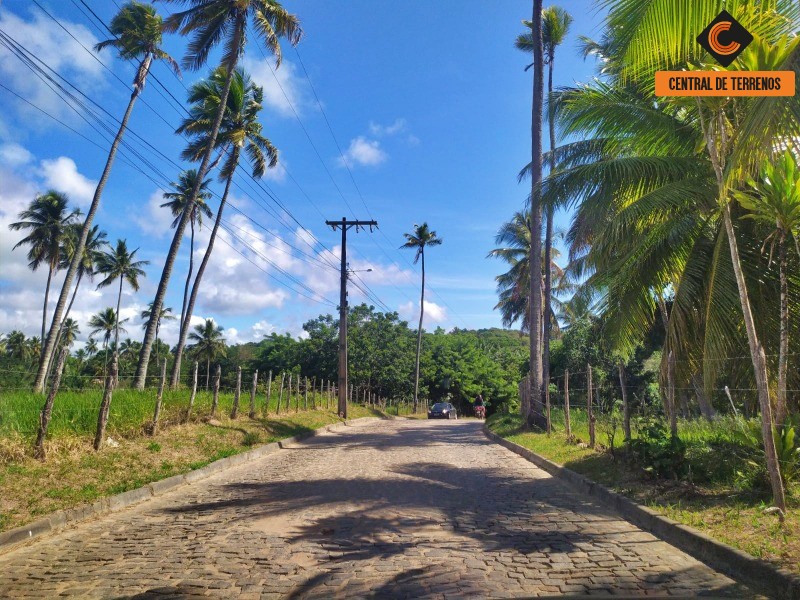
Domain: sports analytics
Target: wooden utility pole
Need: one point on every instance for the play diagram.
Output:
(344, 224)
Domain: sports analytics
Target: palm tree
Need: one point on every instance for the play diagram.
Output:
(534, 414)
(555, 25)
(105, 322)
(91, 346)
(687, 189)
(137, 30)
(165, 314)
(241, 131)
(418, 240)
(48, 220)
(209, 22)
(209, 343)
(120, 264)
(69, 331)
(16, 346)
(775, 202)
(178, 201)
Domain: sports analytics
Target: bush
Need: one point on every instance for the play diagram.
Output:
(657, 451)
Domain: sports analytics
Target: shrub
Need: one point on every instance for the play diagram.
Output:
(657, 451)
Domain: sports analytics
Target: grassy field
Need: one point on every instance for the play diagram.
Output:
(74, 474)
(706, 499)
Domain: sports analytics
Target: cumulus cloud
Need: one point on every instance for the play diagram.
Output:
(45, 38)
(399, 126)
(283, 87)
(153, 219)
(363, 151)
(62, 174)
(14, 155)
(433, 313)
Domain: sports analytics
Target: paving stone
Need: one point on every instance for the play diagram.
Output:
(390, 509)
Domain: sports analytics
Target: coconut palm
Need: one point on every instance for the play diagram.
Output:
(421, 238)
(209, 343)
(555, 25)
(105, 322)
(91, 346)
(240, 131)
(119, 263)
(16, 346)
(178, 201)
(69, 331)
(47, 219)
(677, 193)
(137, 30)
(165, 314)
(211, 22)
(774, 200)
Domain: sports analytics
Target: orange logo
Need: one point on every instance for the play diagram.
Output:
(725, 38)
(716, 45)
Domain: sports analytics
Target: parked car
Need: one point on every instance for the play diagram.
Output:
(442, 410)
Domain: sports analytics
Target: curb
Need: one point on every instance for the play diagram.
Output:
(777, 582)
(62, 519)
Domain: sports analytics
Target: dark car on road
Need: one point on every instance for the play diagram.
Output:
(442, 410)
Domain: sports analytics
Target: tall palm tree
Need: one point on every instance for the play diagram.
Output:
(178, 201)
(418, 241)
(555, 25)
(209, 343)
(137, 30)
(241, 132)
(16, 346)
(165, 314)
(106, 322)
(209, 22)
(91, 346)
(47, 219)
(119, 264)
(774, 200)
(534, 414)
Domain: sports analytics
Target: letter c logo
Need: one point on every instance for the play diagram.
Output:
(713, 40)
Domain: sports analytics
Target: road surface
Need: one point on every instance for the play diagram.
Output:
(386, 509)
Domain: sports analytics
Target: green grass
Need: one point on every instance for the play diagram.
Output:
(709, 498)
(74, 474)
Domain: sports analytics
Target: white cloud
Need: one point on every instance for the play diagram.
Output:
(45, 39)
(363, 151)
(62, 174)
(153, 219)
(398, 126)
(433, 313)
(277, 173)
(254, 333)
(283, 87)
(14, 155)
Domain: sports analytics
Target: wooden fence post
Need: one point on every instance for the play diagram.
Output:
(269, 393)
(215, 400)
(159, 397)
(297, 397)
(280, 395)
(589, 411)
(237, 393)
(626, 413)
(47, 410)
(673, 414)
(567, 427)
(194, 393)
(305, 402)
(252, 413)
(289, 394)
(105, 404)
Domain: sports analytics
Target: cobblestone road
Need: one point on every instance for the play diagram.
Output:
(391, 509)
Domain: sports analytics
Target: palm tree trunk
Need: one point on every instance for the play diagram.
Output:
(548, 256)
(46, 298)
(48, 347)
(208, 370)
(535, 411)
(61, 325)
(184, 329)
(177, 366)
(419, 332)
(116, 325)
(147, 344)
(783, 352)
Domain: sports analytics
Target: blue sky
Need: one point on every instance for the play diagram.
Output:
(429, 104)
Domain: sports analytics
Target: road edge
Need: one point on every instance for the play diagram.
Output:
(65, 518)
(777, 582)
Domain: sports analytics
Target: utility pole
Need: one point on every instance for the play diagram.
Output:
(344, 224)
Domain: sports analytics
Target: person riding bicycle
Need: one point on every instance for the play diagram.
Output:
(479, 407)
(479, 400)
